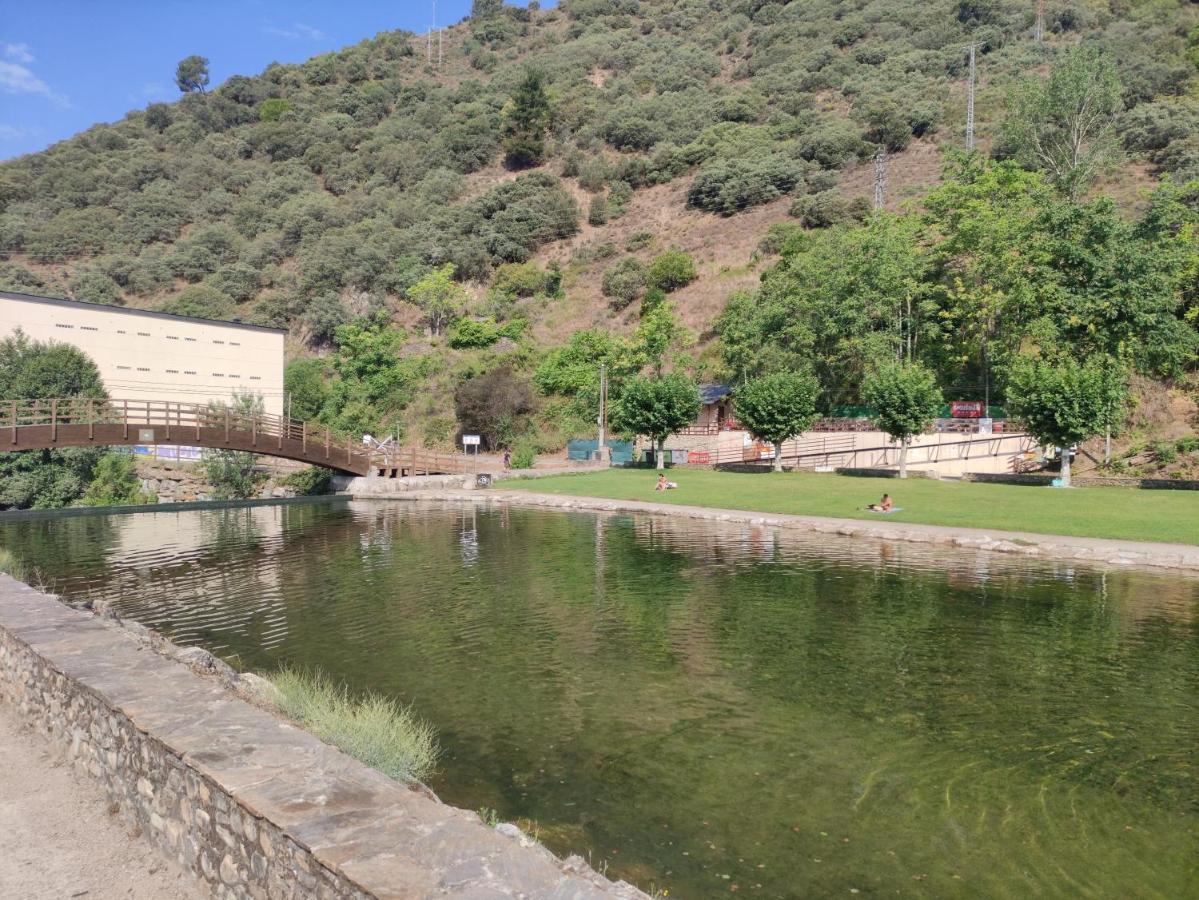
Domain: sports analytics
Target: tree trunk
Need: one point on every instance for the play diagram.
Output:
(661, 454)
(903, 458)
(1107, 448)
(778, 457)
(1065, 455)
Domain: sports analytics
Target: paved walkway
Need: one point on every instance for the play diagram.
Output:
(57, 839)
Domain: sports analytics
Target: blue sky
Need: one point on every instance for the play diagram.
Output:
(68, 64)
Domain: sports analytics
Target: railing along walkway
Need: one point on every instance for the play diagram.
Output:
(79, 421)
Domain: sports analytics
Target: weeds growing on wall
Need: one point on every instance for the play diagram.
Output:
(373, 729)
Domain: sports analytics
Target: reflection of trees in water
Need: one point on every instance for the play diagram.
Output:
(614, 661)
(67, 552)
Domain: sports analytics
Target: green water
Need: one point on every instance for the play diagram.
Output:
(713, 709)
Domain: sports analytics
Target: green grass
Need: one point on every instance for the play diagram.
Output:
(375, 730)
(1120, 513)
(10, 565)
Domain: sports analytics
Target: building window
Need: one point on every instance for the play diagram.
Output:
(142, 369)
(143, 334)
(62, 325)
(235, 376)
(234, 344)
(217, 342)
(171, 337)
(120, 331)
(172, 371)
(256, 378)
(123, 368)
(190, 339)
(188, 372)
(217, 375)
(88, 328)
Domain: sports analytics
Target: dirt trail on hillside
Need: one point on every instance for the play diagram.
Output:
(57, 838)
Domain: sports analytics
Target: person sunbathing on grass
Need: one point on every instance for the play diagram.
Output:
(883, 506)
(664, 485)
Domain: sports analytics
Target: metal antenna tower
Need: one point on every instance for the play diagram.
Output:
(1038, 29)
(970, 100)
(880, 177)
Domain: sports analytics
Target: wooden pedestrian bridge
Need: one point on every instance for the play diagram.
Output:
(86, 422)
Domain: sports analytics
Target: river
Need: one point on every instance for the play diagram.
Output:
(713, 709)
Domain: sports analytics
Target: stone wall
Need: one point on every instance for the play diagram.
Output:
(247, 802)
(1163, 484)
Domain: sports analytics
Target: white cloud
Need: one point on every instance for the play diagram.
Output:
(16, 79)
(296, 31)
(17, 132)
(20, 52)
(151, 90)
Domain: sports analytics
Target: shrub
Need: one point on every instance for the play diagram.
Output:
(273, 110)
(115, 482)
(597, 210)
(374, 729)
(519, 279)
(729, 186)
(471, 333)
(832, 144)
(495, 405)
(624, 282)
(311, 481)
(776, 236)
(639, 240)
(829, 208)
(1165, 452)
(200, 301)
(670, 271)
(524, 455)
(95, 287)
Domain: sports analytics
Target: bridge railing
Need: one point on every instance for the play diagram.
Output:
(179, 420)
(412, 461)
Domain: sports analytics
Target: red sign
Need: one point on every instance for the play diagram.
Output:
(967, 409)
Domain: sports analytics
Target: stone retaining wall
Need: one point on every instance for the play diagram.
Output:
(250, 804)
(1164, 484)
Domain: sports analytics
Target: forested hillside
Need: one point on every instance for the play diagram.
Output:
(595, 182)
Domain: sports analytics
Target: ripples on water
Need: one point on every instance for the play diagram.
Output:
(715, 708)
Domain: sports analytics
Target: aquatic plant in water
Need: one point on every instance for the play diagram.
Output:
(373, 729)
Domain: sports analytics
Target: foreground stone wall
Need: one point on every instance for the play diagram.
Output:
(249, 803)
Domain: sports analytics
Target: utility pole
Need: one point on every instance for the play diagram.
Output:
(880, 177)
(1038, 29)
(603, 410)
(970, 100)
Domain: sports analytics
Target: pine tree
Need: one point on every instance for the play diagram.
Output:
(526, 121)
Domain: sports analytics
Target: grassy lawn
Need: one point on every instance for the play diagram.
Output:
(1139, 515)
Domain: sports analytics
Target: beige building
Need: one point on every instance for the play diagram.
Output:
(145, 355)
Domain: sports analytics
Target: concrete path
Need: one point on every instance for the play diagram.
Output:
(57, 838)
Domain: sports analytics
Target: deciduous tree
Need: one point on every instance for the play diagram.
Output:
(656, 408)
(778, 407)
(1066, 125)
(905, 399)
(1063, 402)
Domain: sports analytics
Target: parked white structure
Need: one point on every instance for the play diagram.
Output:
(144, 355)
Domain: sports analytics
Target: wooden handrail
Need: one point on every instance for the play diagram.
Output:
(91, 411)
